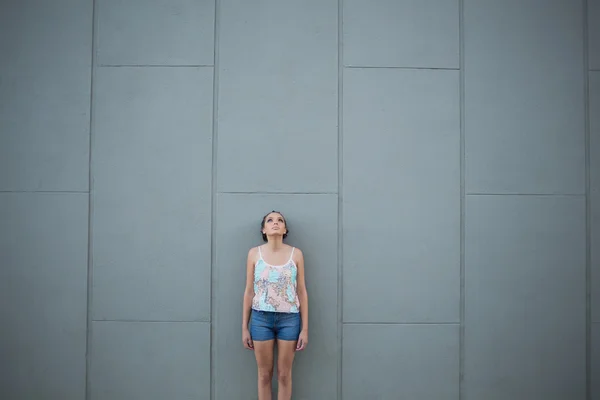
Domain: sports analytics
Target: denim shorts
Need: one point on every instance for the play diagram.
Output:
(268, 325)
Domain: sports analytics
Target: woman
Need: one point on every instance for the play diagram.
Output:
(275, 306)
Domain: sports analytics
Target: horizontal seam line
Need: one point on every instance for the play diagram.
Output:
(154, 65)
(277, 193)
(150, 321)
(392, 67)
(44, 191)
(528, 194)
(401, 323)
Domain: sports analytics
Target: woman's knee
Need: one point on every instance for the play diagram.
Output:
(284, 376)
(265, 376)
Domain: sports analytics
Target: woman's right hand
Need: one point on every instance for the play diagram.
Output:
(247, 339)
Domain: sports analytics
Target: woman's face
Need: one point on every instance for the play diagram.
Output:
(274, 225)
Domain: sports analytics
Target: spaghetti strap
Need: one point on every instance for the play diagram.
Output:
(259, 252)
(292, 254)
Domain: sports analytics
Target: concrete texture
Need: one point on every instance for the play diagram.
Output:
(409, 34)
(430, 157)
(525, 310)
(45, 72)
(152, 193)
(408, 226)
(43, 296)
(524, 97)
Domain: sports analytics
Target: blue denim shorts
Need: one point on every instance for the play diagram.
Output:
(267, 325)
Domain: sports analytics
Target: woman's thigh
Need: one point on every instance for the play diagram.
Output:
(263, 351)
(286, 350)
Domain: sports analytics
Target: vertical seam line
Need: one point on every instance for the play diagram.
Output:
(461, 346)
(340, 154)
(90, 274)
(213, 256)
(588, 228)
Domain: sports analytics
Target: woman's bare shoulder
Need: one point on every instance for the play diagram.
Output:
(253, 252)
(298, 255)
(297, 250)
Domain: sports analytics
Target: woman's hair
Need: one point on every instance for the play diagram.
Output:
(262, 225)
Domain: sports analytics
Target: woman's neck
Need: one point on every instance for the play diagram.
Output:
(275, 244)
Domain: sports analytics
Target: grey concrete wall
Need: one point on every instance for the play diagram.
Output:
(438, 162)
(593, 24)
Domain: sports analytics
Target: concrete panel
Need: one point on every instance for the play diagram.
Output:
(401, 195)
(45, 71)
(43, 295)
(593, 15)
(155, 32)
(524, 99)
(312, 221)
(152, 194)
(406, 33)
(150, 361)
(525, 312)
(278, 96)
(595, 372)
(594, 113)
(401, 362)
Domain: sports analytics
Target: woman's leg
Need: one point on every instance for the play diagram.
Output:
(288, 329)
(263, 350)
(263, 338)
(286, 350)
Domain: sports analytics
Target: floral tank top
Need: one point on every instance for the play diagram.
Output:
(275, 286)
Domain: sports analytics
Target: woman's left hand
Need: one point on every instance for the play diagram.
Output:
(302, 341)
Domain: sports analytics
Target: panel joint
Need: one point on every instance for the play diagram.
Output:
(588, 206)
(90, 261)
(340, 241)
(213, 253)
(461, 346)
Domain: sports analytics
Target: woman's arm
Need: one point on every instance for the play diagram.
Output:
(248, 296)
(303, 297)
